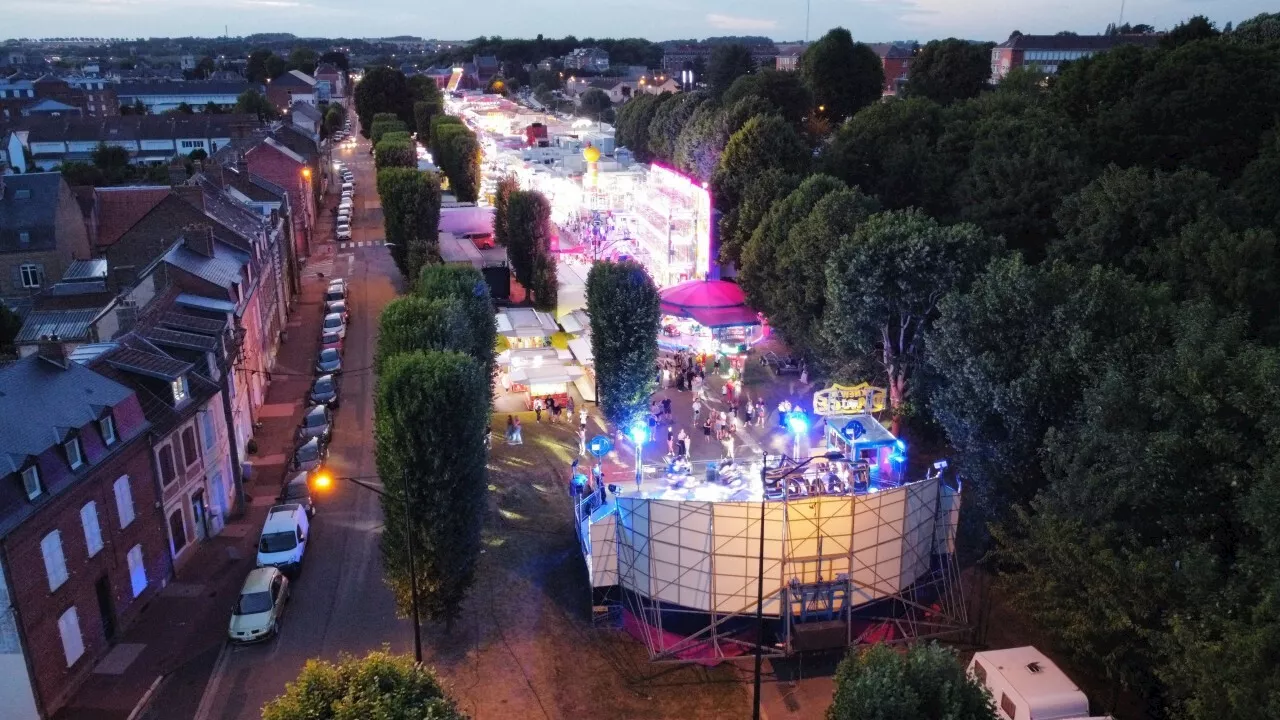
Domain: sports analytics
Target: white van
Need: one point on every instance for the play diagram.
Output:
(1027, 685)
(284, 537)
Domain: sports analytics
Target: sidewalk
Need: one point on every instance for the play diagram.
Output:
(161, 664)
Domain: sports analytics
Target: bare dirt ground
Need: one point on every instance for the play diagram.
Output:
(525, 647)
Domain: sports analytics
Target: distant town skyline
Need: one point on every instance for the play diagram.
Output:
(868, 20)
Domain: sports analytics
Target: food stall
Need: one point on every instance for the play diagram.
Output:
(545, 380)
(524, 328)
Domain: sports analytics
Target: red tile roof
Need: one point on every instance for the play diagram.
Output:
(118, 209)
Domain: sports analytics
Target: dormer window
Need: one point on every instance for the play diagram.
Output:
(107, 425)
(31, 481)
(75, 454)
(180, 390)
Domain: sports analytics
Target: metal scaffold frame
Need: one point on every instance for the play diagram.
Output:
(853, 583)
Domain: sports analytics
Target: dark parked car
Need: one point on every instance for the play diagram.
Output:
(338, 307)
(325, 391)
(309, 455)
(329, 362)
(316, 423)
(298, 490)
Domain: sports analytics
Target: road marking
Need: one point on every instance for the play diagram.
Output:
(215, 679)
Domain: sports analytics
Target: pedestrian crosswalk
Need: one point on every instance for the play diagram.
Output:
(320, 267)
(357, 244)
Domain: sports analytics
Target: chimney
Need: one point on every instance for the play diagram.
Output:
(52, 351)
(123, 277)
(193, 194)
(199, 239)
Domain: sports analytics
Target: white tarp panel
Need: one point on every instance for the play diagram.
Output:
(604, 555)
(705, 555)
(948, 519)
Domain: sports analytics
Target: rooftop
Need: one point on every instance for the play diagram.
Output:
(1077, 42)
(69, 325)
(224, 269)
(41, 403)
(29, 203)
(117, 209)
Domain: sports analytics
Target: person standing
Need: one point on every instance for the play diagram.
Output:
(706, 429)
(682, 443)
(582, 441)
(537, 409)
(582, 419)
(518, 432)
(697, 410)
(569, 407)
(671, 441)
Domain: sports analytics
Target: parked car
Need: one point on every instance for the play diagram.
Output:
(344, 232)
(324, 391)
(482, 240)
(329, 362)
(337, 291)
(331, 340)
(317, 422)
(309, 455)
(338, 307)
(297, 490)
(334, 323)
(283, 542)
(257, 613)
(342, 218)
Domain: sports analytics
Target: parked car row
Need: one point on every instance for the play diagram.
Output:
(346, 201)
(259, 609)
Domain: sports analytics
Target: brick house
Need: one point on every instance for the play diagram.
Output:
(81, 544)
(329, 75)
(275, 162)
(188, 436)
(291, 87)
(41, 232)
(895, 60)
(1048, 52)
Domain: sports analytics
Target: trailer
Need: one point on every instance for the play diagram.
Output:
(1026, 685)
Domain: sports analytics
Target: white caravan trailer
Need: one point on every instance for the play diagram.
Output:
(1026, 685)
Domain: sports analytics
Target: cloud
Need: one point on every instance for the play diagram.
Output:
(270, 3)
(732, 22)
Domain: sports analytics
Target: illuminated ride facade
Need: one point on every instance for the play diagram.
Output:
(851, 553)
(708, 316)
(673, 227)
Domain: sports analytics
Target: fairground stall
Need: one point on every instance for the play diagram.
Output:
(875, 458)
(708, 316)
(524, 328)
(534, 373)
(578, 326)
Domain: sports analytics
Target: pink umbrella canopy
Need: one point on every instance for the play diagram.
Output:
(710, 303)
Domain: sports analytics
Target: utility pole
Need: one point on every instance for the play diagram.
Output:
(755, 703)
(807, 3)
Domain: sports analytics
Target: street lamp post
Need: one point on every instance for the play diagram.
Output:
(323, 481)
(638, 435)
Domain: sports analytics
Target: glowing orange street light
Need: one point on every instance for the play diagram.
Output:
(822, 108)
(323, 481)
(306, 173)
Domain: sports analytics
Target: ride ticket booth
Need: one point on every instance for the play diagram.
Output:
(875, 457)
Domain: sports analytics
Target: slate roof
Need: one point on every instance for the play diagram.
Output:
(165, 337)
(223, 269)
(1077, 42)
(137, 127)
(41, 403)
(233, 215)
(284, 150)
(49, 105)
(307, 110)
(192, 323)
(889, 51)
(29, 204)
(297, 141)
(295, 78)
(68, 325)
(159, 366)
(118, 209)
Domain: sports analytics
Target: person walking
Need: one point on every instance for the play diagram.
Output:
(706, 429)
(537, 409)
(671, 441)
(569, 408)
(511, 430)
(553, 409)
(582, 441)
(682, 443)
(697, 410)
(582, 418)
(519, 432)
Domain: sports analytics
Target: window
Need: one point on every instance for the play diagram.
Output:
(124, 501)
(177, 531)
(24, 238)
(107, 426)
(179, 390)
(206, 427)
(75, 458)
(190, 452)
(32, 275)
(55, 563)
(168, 471)
(31, 482)
(92, 532)
(1007, 707)
(980, 673)
(72, 640)
(137, 571)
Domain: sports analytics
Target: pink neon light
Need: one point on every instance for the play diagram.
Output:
(696, 191)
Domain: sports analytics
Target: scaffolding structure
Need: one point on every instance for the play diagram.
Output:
(838, 570)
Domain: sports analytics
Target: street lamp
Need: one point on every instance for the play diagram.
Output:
(324, 481)
(798, 423)
(764, 469)
(639, 433)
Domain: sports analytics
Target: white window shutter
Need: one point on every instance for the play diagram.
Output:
(124, 501)
(92, 531)
(137, 571)
(55, 564)
(72, 640)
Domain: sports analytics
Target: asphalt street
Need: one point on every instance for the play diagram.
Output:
(339, 602)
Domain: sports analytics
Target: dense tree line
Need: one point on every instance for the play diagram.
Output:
(411, 215)
(522, 223)
(1074, 279)
(456, 150)
(435, 360)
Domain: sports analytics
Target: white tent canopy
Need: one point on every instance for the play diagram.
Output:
(525, 323)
